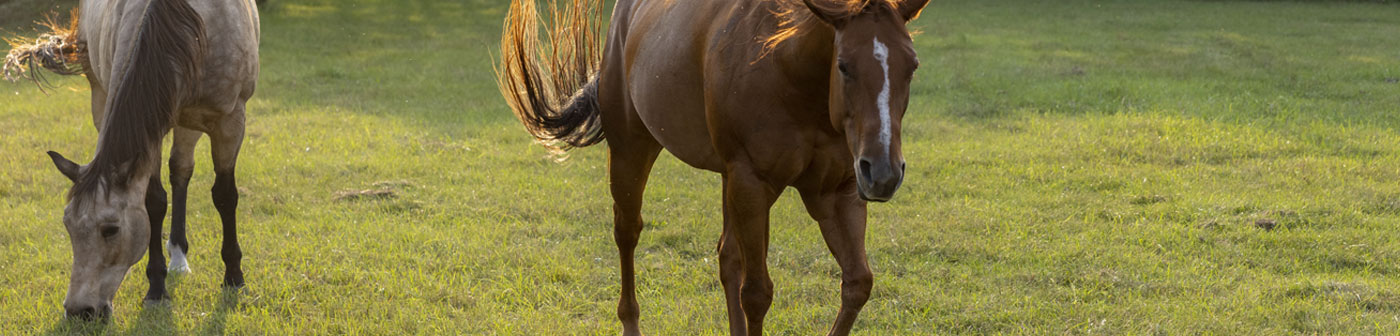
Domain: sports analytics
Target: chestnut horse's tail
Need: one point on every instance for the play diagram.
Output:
(555, 97)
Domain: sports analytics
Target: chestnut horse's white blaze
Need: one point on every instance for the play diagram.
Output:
(882, 54)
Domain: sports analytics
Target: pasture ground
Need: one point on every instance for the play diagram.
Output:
(1075, 167)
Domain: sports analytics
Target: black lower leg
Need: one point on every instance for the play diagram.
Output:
(179, 189)
(226, 202)
(155, 264)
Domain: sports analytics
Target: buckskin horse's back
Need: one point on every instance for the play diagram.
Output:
(228, 68)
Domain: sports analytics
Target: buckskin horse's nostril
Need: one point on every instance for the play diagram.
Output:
(84, 313)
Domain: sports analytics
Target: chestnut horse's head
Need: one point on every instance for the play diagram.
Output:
(870, 74)
(109, 229)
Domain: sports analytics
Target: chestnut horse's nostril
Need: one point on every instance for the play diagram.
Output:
(865, 170)
(901, 167)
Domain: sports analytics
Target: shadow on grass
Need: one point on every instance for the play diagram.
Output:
(228, 301)
(154, 319)
(76, 327)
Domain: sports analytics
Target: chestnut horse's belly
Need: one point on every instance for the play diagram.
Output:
(674, 114)
(665, 84)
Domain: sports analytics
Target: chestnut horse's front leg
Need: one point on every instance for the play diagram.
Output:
(841, 215)
(743, 249)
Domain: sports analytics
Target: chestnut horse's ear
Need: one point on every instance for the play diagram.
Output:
(828, 15)
(68, 168)
(910, 9)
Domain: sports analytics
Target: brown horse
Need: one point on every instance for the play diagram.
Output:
(768, 93)
(154, 66)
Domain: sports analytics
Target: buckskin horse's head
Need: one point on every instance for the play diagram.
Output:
(870, 74)
(109, 229)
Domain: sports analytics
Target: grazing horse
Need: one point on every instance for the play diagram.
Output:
(768, 93)
(154, 66)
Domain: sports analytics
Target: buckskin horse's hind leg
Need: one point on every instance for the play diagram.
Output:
(155, 264)
(841, 217)
(225, 142)
(629, 163)
(743, 249)
(181, 168)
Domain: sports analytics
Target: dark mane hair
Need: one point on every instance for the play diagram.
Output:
(146, 93)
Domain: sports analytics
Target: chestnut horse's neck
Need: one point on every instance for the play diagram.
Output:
(807, 45)
(807, 57)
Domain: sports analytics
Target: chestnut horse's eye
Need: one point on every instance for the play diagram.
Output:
(841, 66)
(110, 230)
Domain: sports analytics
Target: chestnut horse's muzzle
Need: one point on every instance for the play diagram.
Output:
(877, 180)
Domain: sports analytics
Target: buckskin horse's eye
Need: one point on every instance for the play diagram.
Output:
(109, 230)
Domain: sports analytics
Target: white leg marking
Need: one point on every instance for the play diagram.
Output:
(882, 53)
(178, 264)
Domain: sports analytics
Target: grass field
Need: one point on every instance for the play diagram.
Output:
(1076, 167)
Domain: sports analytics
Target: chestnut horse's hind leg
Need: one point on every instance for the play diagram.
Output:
(743, 249)
(155, 264)
(628, 168)
(181, 168)
(841, 216)
(224, 145)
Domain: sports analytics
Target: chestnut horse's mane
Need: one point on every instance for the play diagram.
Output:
(794, 17)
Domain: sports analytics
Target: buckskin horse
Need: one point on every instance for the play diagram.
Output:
(768, 93)
(154, 66)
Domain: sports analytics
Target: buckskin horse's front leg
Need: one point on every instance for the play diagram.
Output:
(181, 169)
(155, 263)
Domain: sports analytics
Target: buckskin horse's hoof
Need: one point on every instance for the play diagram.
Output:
(233, 282)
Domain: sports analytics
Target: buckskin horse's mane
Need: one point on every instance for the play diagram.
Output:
(145, 96)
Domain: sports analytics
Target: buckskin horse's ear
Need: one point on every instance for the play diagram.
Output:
(68, 168)
(910, 9)
(821, 8)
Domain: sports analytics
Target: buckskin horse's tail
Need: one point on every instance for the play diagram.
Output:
(555, 97)
(58, 50)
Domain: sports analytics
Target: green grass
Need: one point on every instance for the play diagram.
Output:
(1076, 167)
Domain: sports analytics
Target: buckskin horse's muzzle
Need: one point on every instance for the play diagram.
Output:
(88, 313)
